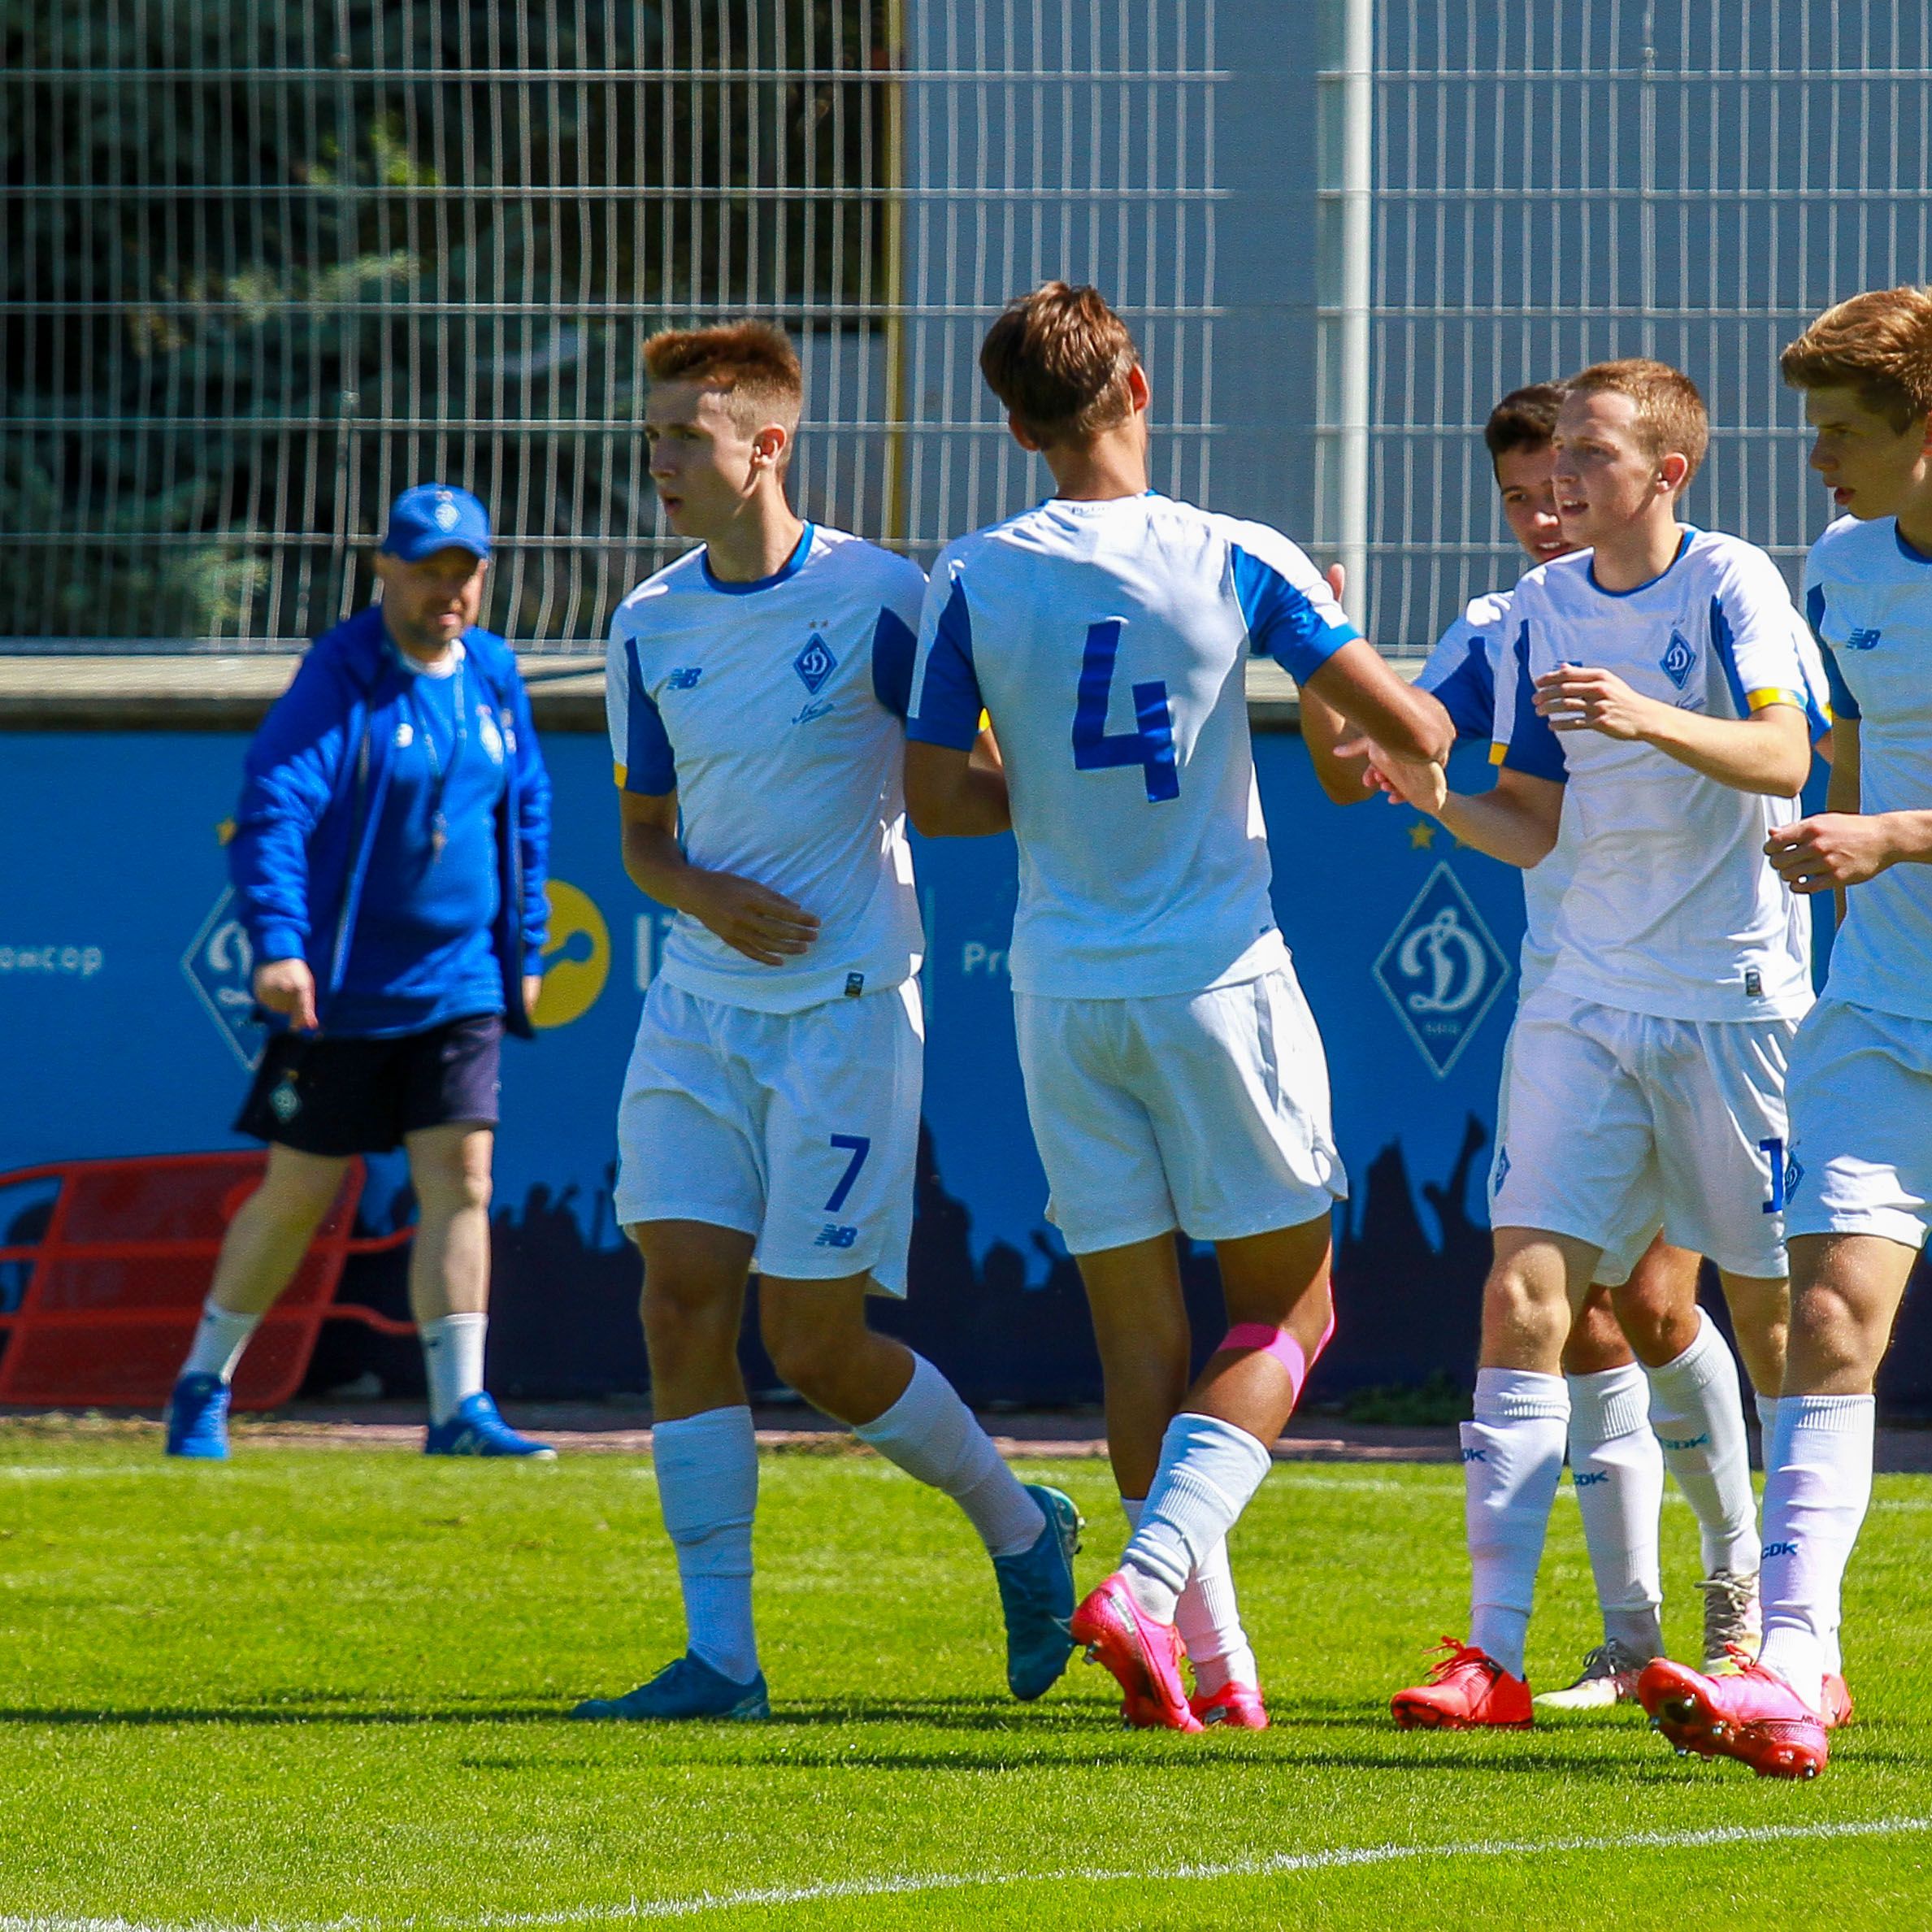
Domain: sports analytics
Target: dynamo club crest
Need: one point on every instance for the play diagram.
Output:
(1442, 970)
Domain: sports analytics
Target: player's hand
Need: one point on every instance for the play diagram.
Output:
(1406, 781)
(287, 986)
(1830, 851)
(751, 918)
(1585, 697)
(1338, 580)
(533, 991)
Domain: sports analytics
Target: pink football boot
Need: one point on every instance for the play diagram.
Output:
(1235, 1707)
(1466, 1691)
(1145, 1657)
(1749, 1713)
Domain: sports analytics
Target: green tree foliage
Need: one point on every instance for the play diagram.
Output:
(262, 263)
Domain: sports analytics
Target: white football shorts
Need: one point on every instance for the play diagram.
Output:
(1861, 1125)
(1620, 1120)
(799, 1129)
(1208, 1111)
(1612, 1271)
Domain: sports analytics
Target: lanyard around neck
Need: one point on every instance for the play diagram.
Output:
(439, 773)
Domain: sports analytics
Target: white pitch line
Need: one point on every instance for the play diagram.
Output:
(1275, 1864)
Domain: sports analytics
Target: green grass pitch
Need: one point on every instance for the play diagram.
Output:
(327, 1688)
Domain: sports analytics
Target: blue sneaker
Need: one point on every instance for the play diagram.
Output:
(1037, 1597)
(680, 1692)
(477, 1430)
(198, 1418)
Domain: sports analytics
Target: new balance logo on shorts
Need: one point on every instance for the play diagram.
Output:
(686, 677)
(829, 1236)
(1861, 641)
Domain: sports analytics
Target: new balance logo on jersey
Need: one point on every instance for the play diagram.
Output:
(832, 1236)
(1680, 660)
(1779, 1549)
(814, 664)
(685, 677)
(1861, 641)
(1589, 1479)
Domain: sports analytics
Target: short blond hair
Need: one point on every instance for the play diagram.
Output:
(1059, 359)
(752, 365)
(1879, 345)
(1671, 418)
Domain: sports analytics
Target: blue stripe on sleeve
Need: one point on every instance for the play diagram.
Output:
(1727, 655)
(1282, 622)
(1468, 693)
(1844, 703)
(895, 645)
(649, 766)
(949, 700)
(1534, 746)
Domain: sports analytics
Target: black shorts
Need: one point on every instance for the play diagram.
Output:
(334, 1097)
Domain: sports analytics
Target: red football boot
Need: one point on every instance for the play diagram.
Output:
(1145, 1657)
(1466, 1691)
(1749, 1713)
(1235, 1707)
(1838, 1702)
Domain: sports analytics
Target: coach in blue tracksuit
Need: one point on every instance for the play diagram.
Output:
(390, 862)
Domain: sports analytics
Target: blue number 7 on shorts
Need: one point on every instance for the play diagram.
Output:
(1150, 745)
(858, 1145)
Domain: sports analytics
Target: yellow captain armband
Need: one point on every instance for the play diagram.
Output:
(986, 722)
(623, 772)
(1498, 752)
(1759, 701)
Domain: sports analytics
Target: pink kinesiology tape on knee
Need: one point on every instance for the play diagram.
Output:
(1282, 1345)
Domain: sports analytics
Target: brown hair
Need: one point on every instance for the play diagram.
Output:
(1671, 418)
(1525, 419)
(753, 363)
(1878, 344)
(1059, 359)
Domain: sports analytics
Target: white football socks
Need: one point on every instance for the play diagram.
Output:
(1208, 1615)
(1511, 1462)
(453, 1362)
(219, 1337)
(1208, 1471)
(931, 1434)
(1617, 1470)
(1697, 1412)
(1816, 1498)
(708, 1489)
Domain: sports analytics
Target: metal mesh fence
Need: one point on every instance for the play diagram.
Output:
(263, 263)
(1559, 181)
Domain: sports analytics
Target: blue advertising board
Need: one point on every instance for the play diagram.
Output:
(124, 1020)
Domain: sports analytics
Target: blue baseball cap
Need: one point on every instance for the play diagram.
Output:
(435, 516)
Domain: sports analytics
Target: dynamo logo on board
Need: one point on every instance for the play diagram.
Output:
(1442, 970)
(220, 966)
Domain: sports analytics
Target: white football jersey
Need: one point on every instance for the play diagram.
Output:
(1869, 595)
(1106, 642)
(773, 709)
(1462, 671)
(1672, 909)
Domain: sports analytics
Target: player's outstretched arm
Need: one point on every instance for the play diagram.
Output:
(1517, 822)
(1408, 724)
(956, 794)
(750, 919)
(1770, 752)
(1344, 775)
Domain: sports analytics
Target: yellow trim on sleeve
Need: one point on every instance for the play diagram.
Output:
(1498, 752)
(1758, 700)
(622, 773)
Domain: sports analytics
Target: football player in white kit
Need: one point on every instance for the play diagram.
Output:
(1860, 1204)
(770, 1112)
(1663, 682)
(1640, 1362)
(1174, 1076)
